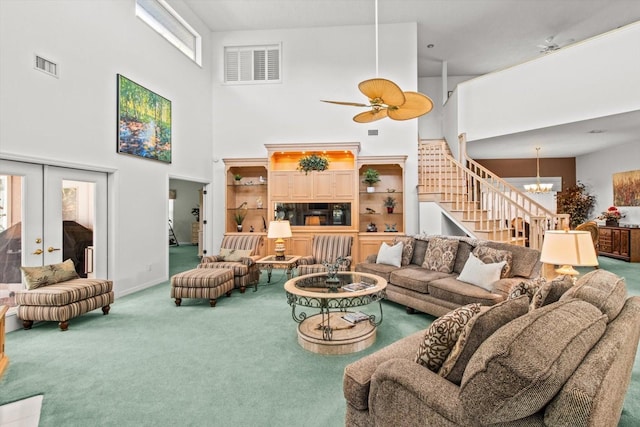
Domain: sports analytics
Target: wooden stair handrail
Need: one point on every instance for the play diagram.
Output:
(493, 208)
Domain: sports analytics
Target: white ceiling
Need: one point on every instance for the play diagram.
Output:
(474, 37)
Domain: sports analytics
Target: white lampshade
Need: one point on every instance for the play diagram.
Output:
(568, 248)
(279, 230)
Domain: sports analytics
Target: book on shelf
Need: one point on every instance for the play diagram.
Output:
(359, 286)
(356, 317)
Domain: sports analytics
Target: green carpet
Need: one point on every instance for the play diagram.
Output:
(150, 363)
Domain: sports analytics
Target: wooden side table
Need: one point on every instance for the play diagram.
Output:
(289, 263)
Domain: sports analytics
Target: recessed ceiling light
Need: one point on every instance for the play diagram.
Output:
(430, 46)
(596, 131)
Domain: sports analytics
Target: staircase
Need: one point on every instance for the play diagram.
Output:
(485, 205)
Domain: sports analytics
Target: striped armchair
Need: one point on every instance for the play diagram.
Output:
(245, 269)
(326, 247)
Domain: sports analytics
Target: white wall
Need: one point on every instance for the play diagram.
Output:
(72, 120)
(596, 78)
(430, 126)
(596, 171)
(317, 63)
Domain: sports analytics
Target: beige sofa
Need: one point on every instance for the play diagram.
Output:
(567, 363)
(437, 292)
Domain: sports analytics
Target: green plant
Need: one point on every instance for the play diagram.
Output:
(576, 202)
(371, 176)
(237, 177)
(240, 213)
(312, 162)
(390, 202)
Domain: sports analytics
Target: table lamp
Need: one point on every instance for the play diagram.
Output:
(568, 248)
(279, 230)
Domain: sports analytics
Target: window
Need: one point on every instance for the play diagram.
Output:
(252, 64)
(166, 21)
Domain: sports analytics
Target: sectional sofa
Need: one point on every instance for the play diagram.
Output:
(427, 276)
(566, 360)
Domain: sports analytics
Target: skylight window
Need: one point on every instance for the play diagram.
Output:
(170, 25)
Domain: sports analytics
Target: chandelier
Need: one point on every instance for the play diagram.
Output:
(537, 187)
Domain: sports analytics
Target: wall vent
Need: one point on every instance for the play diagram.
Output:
(46, 66)
(252, 64)
(373, 132)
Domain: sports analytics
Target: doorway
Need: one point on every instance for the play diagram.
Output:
(49, 214)
(187, 219)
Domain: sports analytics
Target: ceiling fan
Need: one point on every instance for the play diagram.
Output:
(386, 99)
(550, 46)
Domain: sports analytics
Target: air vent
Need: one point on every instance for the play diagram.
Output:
(373, 132)
(252, 64)
(46, 66)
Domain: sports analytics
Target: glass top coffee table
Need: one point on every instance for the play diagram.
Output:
(335, 328)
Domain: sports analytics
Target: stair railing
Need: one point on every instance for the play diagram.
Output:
(493, 205)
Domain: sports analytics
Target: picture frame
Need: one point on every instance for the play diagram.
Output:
(626, 188)
(144, 122)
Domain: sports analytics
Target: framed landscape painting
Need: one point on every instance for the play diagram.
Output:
(144, 122)
(626, 188)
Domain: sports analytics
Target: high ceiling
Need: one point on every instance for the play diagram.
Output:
(474, 37)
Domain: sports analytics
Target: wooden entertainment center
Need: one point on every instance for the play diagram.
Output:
(333, 201)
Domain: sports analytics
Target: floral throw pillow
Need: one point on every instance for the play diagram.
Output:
(234, 255)
(476, 331)
(442, 336)
(440, 255)
(407, 248)
(526, 287)
(550, 292)
(491, 256)
(36, 277)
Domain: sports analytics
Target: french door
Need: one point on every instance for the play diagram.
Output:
(49, 214)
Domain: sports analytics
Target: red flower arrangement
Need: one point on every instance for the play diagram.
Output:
(612, 214)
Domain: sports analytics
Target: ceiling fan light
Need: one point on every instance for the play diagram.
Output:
(386, 90)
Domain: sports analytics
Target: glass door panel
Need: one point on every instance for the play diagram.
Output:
(49, 214)
(20, 224)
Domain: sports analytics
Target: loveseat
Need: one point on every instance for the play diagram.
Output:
(564, 362)
(434, 288)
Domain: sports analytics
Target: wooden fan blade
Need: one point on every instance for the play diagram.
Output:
(353, 104)
(370, 116)
(416, 105)
(382, 91)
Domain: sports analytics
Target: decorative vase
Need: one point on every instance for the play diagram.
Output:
(239, 227)
(389, 209)
(611, 223)
(370, 189)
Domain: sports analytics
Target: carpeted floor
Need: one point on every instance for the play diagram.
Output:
(150, 363)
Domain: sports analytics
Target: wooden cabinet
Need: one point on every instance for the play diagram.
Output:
(350, 208)
(248, 195)
(373, 210)
(373, 214)
(296, 186)
(620, 242)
